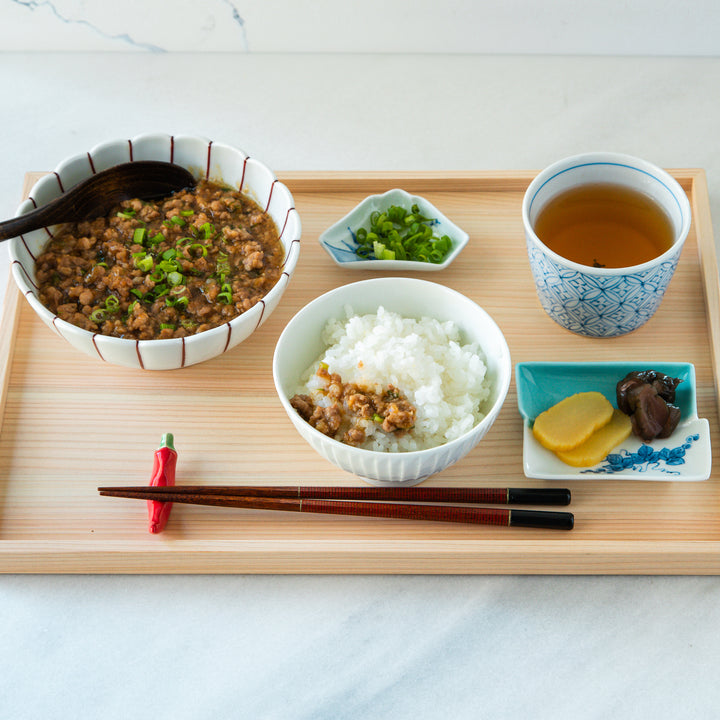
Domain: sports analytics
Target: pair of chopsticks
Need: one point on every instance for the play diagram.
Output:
(402, 503)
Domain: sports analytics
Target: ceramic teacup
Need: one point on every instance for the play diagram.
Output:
(599, 301)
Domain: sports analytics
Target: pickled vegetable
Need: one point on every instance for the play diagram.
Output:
(596, 448)
(572, 421)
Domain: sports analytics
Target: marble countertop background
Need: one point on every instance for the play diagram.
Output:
(301, 95)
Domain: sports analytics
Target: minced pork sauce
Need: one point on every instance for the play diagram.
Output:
(164, 269)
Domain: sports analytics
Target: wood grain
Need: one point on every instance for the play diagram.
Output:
(69, 423)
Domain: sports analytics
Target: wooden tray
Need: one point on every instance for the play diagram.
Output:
(70, 423)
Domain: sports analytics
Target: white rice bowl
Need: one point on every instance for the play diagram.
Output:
(304, 341)
(424, 358)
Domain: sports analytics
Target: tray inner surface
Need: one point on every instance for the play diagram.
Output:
(70, 423)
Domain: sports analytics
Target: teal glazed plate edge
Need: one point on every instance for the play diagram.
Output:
(685, 456)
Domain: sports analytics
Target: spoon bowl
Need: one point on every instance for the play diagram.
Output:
(96, 196)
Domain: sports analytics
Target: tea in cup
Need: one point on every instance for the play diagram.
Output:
(604, 232)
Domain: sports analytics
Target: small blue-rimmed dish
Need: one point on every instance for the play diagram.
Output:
(340, 244)
(685, 456)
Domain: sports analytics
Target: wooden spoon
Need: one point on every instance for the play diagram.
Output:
(91, 198)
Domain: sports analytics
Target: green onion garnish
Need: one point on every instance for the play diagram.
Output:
(139, 236)
(399, 234)
(144, 263)
(208, 230)
(176, 301)
(195, 247)
(225, 294)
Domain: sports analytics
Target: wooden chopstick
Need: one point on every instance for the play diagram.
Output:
(441, 513)
(491, 496)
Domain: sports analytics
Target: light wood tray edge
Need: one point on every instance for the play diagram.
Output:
(409, 558)
(512, 557)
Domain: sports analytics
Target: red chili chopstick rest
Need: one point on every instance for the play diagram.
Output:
(163, 475)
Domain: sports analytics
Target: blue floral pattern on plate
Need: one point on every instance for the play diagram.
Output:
(664, 460)
(684, 456)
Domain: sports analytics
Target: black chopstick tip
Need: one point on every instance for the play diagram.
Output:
(539, 496)
(542, 519)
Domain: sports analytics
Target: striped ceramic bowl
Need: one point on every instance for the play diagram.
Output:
(205, 159)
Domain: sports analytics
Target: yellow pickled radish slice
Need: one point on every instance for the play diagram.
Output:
(572, 421)
(596, 448)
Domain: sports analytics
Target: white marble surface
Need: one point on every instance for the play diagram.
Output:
(360, 647)
(604, 27)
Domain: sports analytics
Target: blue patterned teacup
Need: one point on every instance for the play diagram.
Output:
(603, 302)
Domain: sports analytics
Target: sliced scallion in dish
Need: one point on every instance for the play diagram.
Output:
(401, 234)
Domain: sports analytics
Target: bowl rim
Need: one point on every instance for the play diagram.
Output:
(504, 377)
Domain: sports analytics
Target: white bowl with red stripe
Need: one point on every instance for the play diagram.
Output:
(205, 159)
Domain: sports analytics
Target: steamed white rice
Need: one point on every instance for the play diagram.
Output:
(445, 380)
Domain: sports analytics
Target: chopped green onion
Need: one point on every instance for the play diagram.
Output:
(169, 254)
(381, 252)
(399, 234)
(175, 278)
(225, 294)
(177, 301)
(97, 315)
(126, 214)
(196, 246)
(167, 326)
(145, 263)
(187, 213)
(377, 418)
(208, 230)
(139, 236)
(112, 303)
(177, 220)
(156, 239)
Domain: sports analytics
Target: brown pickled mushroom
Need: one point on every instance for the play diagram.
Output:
(648, 397)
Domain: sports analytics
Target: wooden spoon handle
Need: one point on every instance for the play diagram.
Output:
(50, 214)
(144, 179)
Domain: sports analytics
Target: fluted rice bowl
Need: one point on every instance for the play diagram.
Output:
(436, 347)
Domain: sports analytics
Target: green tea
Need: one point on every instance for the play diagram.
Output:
(604, 225)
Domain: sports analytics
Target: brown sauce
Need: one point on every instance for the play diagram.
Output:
(163, 269)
